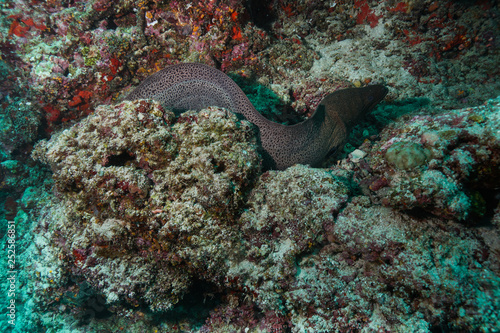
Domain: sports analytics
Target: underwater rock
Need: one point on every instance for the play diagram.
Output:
(151, 200)
(387, 270)
(76, 57)
(19, 122)
(440, 163)
(287, 216)
(376, 269)
(298, 249)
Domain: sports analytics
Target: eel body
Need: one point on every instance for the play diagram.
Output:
(193, 86)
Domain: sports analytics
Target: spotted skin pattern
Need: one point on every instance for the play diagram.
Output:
(193, 86)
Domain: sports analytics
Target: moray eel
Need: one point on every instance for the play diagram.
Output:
(193, 86)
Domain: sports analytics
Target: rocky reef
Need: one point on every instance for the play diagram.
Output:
(151, 204)
(445, 163)
(129, 217)
(147, 198)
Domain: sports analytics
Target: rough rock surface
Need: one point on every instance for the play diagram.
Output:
(150, 203)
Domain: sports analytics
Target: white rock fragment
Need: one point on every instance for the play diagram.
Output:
(357, 155)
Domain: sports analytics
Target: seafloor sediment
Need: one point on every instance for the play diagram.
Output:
(131, 218)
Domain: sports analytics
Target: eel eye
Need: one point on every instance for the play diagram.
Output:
(331, 152)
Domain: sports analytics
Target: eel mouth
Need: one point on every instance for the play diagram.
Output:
(376, 94)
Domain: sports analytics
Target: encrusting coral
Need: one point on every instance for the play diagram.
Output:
(406, 155)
